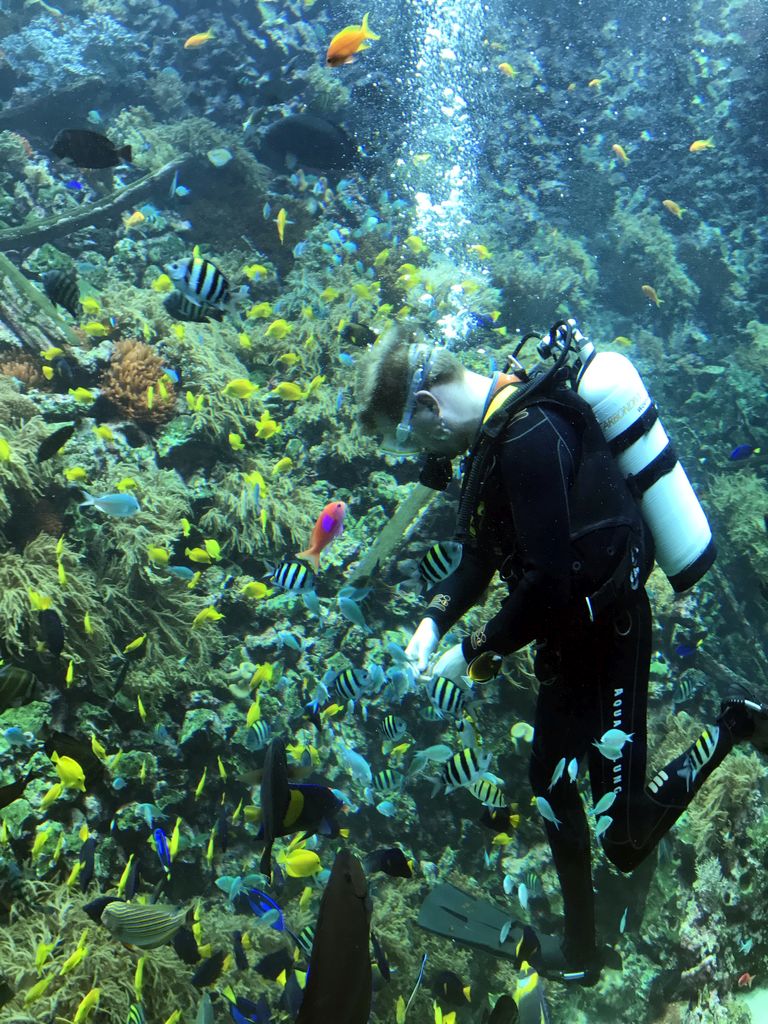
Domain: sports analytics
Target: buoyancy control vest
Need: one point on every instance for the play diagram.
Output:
(611, 548)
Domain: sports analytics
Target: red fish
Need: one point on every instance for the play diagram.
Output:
(329, 524)
(745, 981)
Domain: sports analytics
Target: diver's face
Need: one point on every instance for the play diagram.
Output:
(430, 433)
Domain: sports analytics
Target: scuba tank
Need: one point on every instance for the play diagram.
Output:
(630, 423)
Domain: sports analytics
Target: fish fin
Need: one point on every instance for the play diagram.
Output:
(310, 556)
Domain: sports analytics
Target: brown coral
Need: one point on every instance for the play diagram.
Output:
(134, 369)
(24, 368)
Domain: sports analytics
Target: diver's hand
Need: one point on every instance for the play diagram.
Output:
(452, 664)
(422, 645)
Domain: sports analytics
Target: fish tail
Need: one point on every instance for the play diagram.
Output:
(366, 30)
(310, 556)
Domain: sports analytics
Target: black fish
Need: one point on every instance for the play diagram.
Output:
(380, 957)
(185, 946)
(448, 986)
(180, 308)
(339, 978)
(358, 334)
(132, 882)
(62, 289)
(241, 960)
(272, 965)
(315, 142)
(52, 629)
(293, 994)
(89, 149)
(209, 970)
(55, 442)
(392, 861)
(245, 1011)
(13, 790)
(16, 684)
(312, 809)
(504, 1012)
(498, 819)
(275, 799)
(95, 908)
(87, 858)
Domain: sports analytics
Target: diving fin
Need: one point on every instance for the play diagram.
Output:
(457, 915)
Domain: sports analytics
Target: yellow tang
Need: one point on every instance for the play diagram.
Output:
(301, 863)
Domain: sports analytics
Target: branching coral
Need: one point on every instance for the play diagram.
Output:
(131, 383)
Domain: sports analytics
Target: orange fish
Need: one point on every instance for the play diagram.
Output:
(700, 145)
(329, 525)
(673, 207)
(650, 294)
(745, 981)
(199, 39)
(348, 42)
(620, 152)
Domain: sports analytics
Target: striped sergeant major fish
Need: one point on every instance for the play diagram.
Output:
(463, 769)
(201, 282)
(352, 683)
(179, 307)
(488, 793)
(440, 561)
(446, 697)
(294, 576)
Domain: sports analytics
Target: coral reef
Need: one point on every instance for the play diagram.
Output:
(136, 384)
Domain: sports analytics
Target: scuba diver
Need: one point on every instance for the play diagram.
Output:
(545, 504)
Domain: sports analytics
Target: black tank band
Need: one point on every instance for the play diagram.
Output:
(634, 431)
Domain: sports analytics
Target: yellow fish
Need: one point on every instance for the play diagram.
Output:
(620, 153)
(38, 989)
(69, 771)
(329, 294)
(381, 258)
(288, 359)
(140, 708)
(134, 645)
(125, 876)
(126, 484)
(236, 442)
(415, 244)
(240, 387)
(41, 839)
(279, 329)
(95, 330)
(52, 353)
(133, 221)
(301, 863)
(48, 372)
(595, 83)
(198, 39)
(82, 394)
(213, 548)
(621, 340)
(80, 953)
(5, 450)
(674, 208)
(264, 674)
(88, 1003)
(282, 466)
(91, 306)
(208, 614)
(158, 555)
(260, 311)
(254, 713)
(281, 220)
(201, 784)
(508, 70)
(481, 251)
(199, 555)
(69, 675)
(288, 391)
(104, 433)
(245, 341)
(267, 428)
(162, 284)
(700, 145)
(255, 270)
(52, 795)
(650, 293)
(420, 158)
(256, 590)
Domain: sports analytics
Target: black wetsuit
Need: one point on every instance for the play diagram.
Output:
(593, 671)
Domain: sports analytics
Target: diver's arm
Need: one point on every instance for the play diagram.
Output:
(537, 461)
(456, 594)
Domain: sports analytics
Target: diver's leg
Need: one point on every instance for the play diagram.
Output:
(562, 707)
(642, 814)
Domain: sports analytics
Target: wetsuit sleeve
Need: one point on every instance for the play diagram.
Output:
(456, 594)
(537, 459)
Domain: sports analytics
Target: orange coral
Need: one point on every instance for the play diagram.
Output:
(133, 369)
(23, 368)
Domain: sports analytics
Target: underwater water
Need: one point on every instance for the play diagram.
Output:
(208, 214)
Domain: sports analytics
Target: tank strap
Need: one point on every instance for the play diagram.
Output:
(665, 462)
(634, 431)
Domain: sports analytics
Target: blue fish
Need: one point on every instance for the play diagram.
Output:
(686, 650)
(339, 399)
(74, 185)
(352, 611)
(181, 572)
(244, 1011)
(743, 451)
(163, 852)
(262, 905)
(346, 359)
(119, 505)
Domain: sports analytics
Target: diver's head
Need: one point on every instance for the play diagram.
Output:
(418, 396)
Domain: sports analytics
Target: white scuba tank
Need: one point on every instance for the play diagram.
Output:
(629, 421)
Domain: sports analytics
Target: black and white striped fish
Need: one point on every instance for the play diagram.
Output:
(393, 728)
(446, 697)
(387, 781)
(464, 768)
(179, 307)
(352, 683)
(61, 288)
(258, 735)
(200, 281)
(294, 576)
(440, 561)
(487, 793)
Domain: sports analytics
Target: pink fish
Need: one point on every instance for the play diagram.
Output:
(330, 524)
